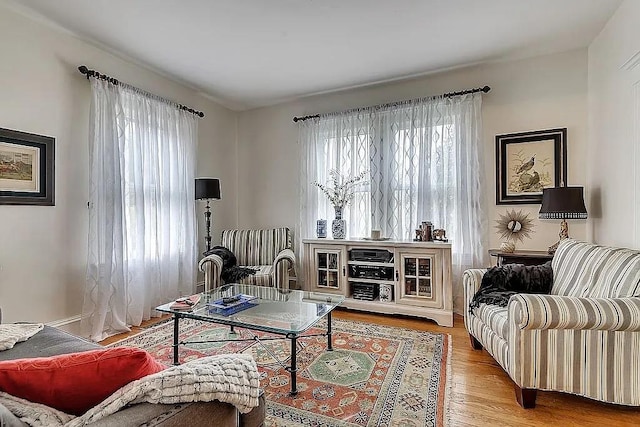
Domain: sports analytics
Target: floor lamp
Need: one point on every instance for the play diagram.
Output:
(207, 189)
(562, 203)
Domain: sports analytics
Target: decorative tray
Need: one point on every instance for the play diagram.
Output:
(242, 302)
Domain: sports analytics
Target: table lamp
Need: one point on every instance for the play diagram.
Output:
(207, 189)
(562, 203)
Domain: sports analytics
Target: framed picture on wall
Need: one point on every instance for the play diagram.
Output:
(527, 162)
(26, 168)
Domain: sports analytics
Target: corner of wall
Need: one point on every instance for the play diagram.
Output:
(237, 169)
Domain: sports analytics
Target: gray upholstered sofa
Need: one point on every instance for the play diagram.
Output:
(52, 341)
(583, 338)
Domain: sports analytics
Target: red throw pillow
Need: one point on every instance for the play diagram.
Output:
(76, 382)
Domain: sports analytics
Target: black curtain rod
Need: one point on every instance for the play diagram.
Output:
(484, 89)
(93, 73)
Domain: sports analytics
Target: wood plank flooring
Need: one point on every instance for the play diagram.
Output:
(482, 393)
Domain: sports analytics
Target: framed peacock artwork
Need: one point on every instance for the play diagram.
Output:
(527, 162)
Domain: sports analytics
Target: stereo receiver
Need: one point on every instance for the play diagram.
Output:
(370, 255)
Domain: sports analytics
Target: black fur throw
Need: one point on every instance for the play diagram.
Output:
(500, 283)
(231, 273)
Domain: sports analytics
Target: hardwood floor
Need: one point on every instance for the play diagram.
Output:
(482, 393)
(135, 330)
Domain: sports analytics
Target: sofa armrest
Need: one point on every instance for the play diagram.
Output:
(211, 266)
(471, 281)
(529, 311)
(284, 261)
(256, 417)
(285, 255)
(198, 414)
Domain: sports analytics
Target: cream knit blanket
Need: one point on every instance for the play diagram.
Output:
(11, 333)
(229, 378)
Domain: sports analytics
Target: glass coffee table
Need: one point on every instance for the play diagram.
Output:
(289, 313)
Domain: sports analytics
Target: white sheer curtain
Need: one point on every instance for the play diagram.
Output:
(342, 142)
(142, 231)
(425, 162)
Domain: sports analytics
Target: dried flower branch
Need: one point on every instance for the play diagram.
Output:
(341, 191)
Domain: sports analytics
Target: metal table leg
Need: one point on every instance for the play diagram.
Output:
(176, 341)
(293, 369)
(329, 336)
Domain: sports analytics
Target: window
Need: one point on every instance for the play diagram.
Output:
(152, 200)
(409, 169)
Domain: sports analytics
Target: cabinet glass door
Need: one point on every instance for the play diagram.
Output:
(328, 269)
(416, 276)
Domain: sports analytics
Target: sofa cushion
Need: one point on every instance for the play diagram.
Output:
(76, 382)
(620, 276)
(495, 317)
(575, 265)
(48, 342)
(262, 276)
(592, 271)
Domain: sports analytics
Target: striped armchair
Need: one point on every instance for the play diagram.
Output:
(583, 338)
(268, 251)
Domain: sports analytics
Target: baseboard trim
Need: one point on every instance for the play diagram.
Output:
(64, 322)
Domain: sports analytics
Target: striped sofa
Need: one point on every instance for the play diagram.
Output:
(583, 338)
(268, 251)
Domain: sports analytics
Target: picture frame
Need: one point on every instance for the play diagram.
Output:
(27, 162)
(527, 162)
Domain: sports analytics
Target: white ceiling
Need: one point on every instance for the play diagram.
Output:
(250, 53)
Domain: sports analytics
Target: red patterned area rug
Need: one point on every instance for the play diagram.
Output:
(376, 375)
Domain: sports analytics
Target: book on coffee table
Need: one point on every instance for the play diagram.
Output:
(185, 303)
(230, 305)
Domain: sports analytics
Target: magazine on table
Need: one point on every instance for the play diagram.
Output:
(185, 303)
(232, 301)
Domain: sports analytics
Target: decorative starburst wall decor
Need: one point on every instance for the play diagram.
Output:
(514, 226)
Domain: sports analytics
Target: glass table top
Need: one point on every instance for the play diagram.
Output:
(281, 311)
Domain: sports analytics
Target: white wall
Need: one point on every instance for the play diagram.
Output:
(539, 93)
(43, 249)
(217, 158)
(614, 129)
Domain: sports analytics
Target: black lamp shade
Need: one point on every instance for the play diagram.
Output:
(563, 203)
(207, 188)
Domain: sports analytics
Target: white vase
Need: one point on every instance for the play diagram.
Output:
(339, 225)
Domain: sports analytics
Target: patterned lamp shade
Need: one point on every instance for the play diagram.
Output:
(563, 203)
(207, 188)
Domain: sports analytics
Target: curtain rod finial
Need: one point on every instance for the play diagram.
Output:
(486, 89)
